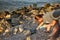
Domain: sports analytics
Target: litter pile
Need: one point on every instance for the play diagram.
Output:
(20, 24)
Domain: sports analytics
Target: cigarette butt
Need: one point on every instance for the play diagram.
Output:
(8, 16)
(1, 29)
(26, 32)
(20, 29)
(15, 31)
(28, 38)
(20, 22)
(7, 30)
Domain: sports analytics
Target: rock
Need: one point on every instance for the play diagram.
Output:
(15, 21)
(15, 18)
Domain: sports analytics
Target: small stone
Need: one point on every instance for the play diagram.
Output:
(0, 39)
(15, 21)
(7, 35)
